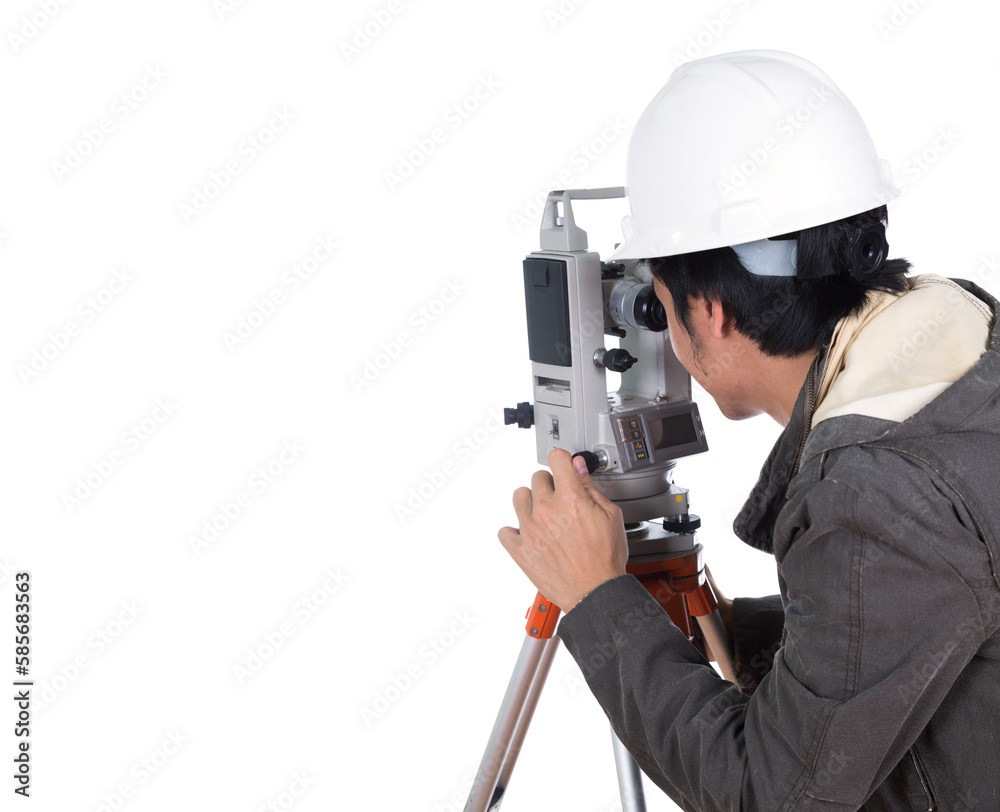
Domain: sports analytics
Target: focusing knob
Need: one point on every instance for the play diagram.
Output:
(616, 360)
(619, 360)
(523, 415)
(596, 460)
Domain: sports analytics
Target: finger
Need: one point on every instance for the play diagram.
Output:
(563, 473)
(523, 502)
(509, 536)
(583, 477)
(571, 472)
(542, 483)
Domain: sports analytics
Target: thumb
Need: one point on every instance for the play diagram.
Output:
(583, 476)
(589, 488)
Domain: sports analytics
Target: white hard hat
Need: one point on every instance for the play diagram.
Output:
(744, 146)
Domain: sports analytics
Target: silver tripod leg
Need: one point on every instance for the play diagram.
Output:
(714, 632)
(511, 726)
(629, 778)
(518, 706)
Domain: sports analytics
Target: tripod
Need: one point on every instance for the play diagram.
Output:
(668, 563)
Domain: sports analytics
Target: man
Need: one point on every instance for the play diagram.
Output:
(758, 200)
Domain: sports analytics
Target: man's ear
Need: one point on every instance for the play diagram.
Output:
(717, 321)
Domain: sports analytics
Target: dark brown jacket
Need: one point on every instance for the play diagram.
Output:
(885, 694)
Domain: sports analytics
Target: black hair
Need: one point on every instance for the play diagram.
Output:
(785, 315)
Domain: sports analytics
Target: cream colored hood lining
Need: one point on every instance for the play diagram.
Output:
(903, 351)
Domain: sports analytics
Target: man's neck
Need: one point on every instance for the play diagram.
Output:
(780, 381)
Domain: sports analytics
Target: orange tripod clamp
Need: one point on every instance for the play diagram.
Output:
(542, 617)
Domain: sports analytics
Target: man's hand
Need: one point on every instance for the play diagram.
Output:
(571, 538)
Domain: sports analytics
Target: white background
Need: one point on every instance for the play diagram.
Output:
(137, 637)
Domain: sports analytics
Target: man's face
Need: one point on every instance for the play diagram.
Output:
(715, 362)
(680, 339)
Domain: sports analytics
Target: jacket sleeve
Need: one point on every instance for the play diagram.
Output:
(879, 623)
(758, 624)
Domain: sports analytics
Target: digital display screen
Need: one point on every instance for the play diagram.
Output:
(672, 431)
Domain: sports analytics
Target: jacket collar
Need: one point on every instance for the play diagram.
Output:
(755, 522)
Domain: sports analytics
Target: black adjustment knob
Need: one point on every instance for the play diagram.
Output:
(590, 458)
(619, 360)
(684, 523)
(616, 360)
(523, 415)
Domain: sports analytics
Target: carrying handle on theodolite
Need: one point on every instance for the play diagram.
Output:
(542, 618)
(559, 231)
